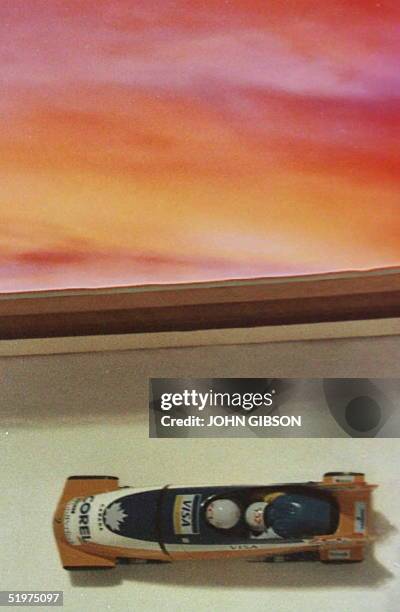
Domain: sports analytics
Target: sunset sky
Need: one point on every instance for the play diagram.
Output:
(167, 141)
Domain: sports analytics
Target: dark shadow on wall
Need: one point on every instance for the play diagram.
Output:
(85, 388)
(81, 389)
(244, 574)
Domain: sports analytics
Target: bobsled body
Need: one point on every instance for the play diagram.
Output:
(98, 524)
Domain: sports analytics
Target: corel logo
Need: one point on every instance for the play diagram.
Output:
(83, 520)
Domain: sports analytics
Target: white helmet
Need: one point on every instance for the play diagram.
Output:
(255, 516)
(223, 513)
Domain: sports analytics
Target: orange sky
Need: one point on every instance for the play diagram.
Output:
(170, 141)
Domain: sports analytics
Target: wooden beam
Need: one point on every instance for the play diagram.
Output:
(307, 299)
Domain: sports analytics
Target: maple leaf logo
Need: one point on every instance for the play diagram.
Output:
(114, 516)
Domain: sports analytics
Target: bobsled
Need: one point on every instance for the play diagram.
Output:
(98, 524)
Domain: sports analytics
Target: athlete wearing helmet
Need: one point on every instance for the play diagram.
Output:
(255, 516)
(223, 513)
(256, 513)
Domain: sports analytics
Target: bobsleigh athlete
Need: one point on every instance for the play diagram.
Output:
(276, 515)
(256, 516)
(225, 514)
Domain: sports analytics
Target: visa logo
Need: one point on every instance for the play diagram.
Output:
(186, 513)
(186, 508)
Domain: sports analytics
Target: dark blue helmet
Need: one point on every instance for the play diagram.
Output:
(298, 516)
